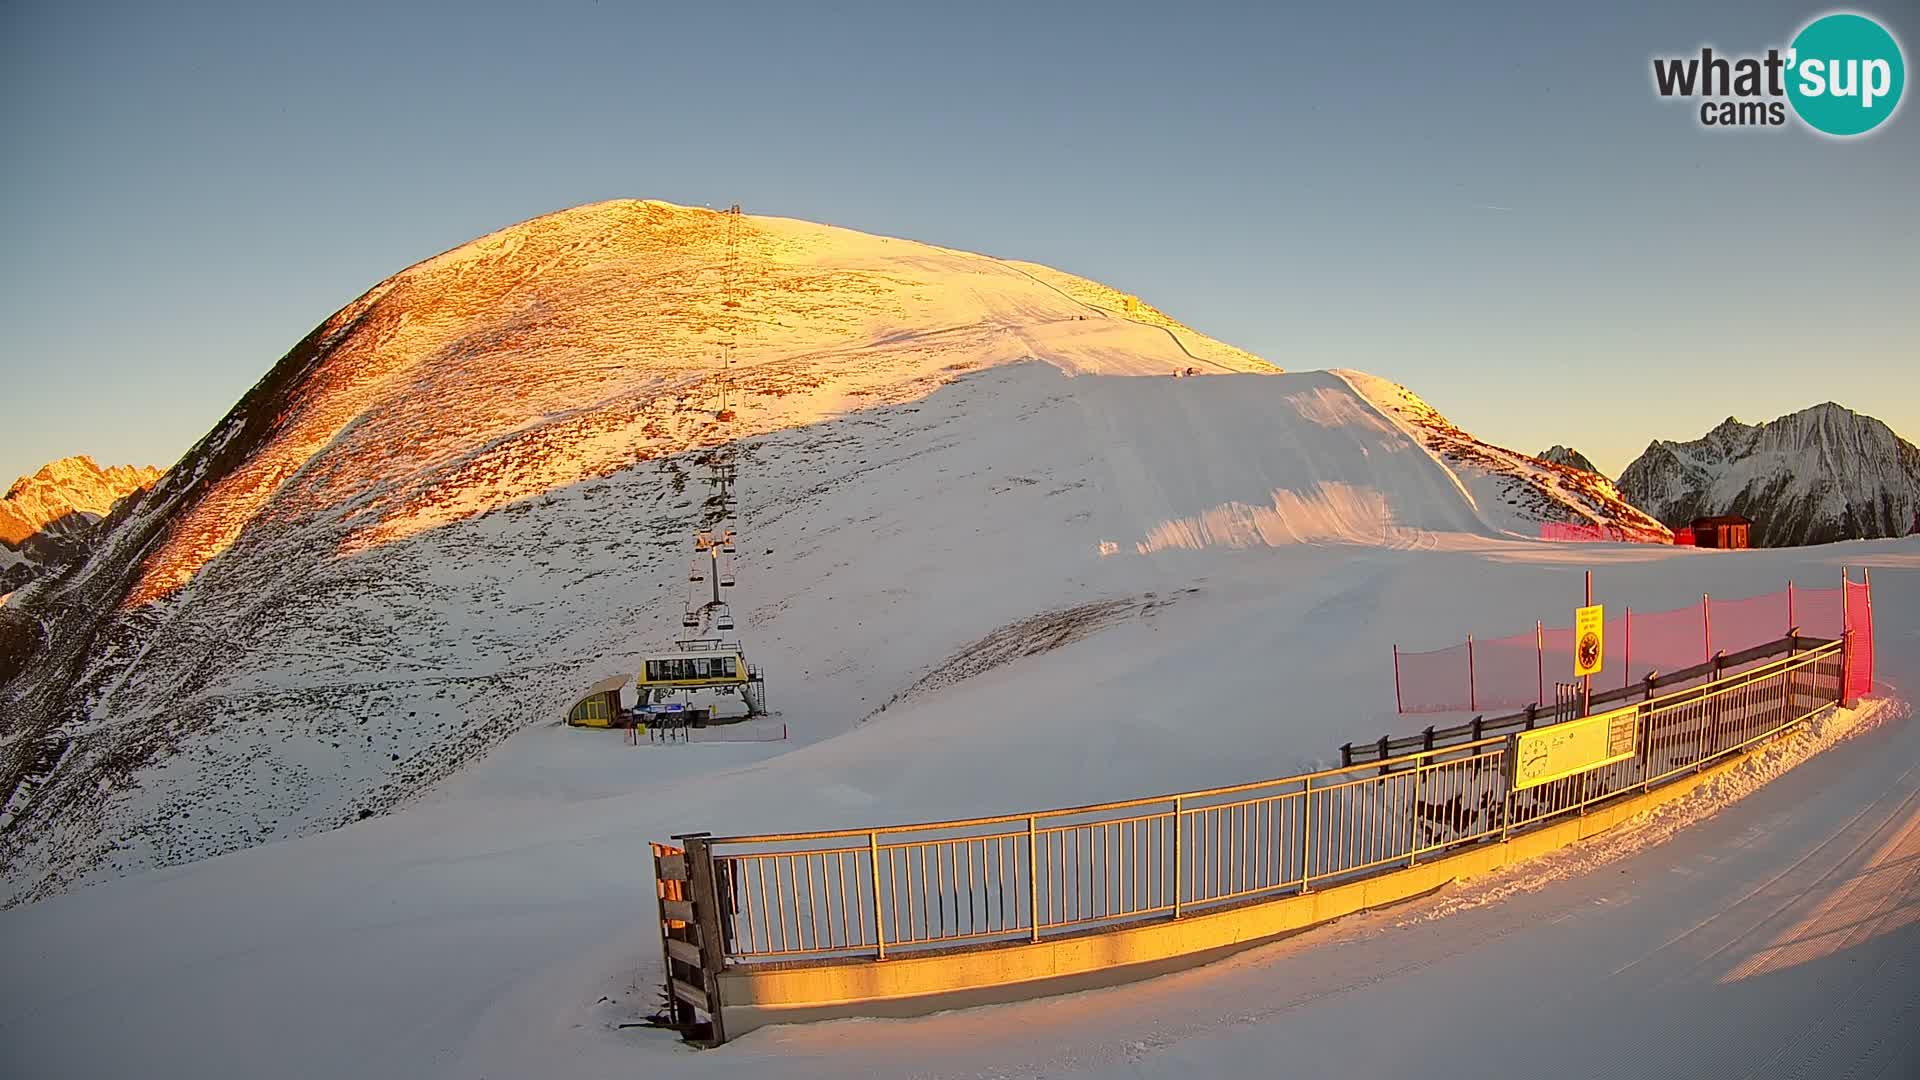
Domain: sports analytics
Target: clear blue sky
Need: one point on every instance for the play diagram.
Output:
(1485, 202)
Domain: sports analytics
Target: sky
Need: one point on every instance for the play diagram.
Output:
(1485, 202)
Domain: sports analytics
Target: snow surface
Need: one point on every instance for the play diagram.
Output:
(990, 565)
(474, 498)
(501, 927)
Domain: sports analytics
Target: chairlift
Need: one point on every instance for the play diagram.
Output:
(726, 579)
(724, 622)
(690, 619)
(696, 575)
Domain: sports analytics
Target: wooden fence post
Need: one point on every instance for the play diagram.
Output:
(706, 912)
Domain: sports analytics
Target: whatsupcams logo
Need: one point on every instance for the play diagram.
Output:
(1842, 75)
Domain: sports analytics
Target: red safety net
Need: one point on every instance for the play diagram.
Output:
(1506, 671)
(1859, 619)
(1742, 624)
(1820, 613)
(1592, 533)
(1514, 671)
(1436, 681)
(1654, 641)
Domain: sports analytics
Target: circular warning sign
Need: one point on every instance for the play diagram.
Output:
(1589, 631)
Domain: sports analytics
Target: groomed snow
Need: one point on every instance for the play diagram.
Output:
(501, 926)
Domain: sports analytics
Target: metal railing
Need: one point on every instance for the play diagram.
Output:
(1537, 713)
(1007, 878)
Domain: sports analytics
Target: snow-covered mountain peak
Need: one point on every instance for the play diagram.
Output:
(467, 495)
(1821, 474)
(571, 346)
(48, 517)
(67, 486)
(1568, 456)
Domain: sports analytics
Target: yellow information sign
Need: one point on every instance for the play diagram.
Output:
(1589, 641)
(1561, 750)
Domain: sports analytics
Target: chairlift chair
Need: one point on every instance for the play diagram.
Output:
(724, 622)
(690, 619)
(726, 579)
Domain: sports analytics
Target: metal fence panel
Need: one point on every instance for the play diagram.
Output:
(853, 893)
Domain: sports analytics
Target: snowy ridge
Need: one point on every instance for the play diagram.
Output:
(1515, 492)
(1822, 474)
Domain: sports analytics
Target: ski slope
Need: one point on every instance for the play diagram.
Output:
(1779, 937)
(309, 675)
(500, 926)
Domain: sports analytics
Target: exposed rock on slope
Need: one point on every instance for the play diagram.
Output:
(1812, 477)
(1525, 489)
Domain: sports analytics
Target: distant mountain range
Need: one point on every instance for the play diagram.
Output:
(48, 519)
(1812, 477)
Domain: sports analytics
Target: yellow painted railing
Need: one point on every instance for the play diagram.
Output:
(1020, 877)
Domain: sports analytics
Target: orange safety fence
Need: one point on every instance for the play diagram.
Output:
(1594, 533)
(1520, 669)
(1858, 605)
